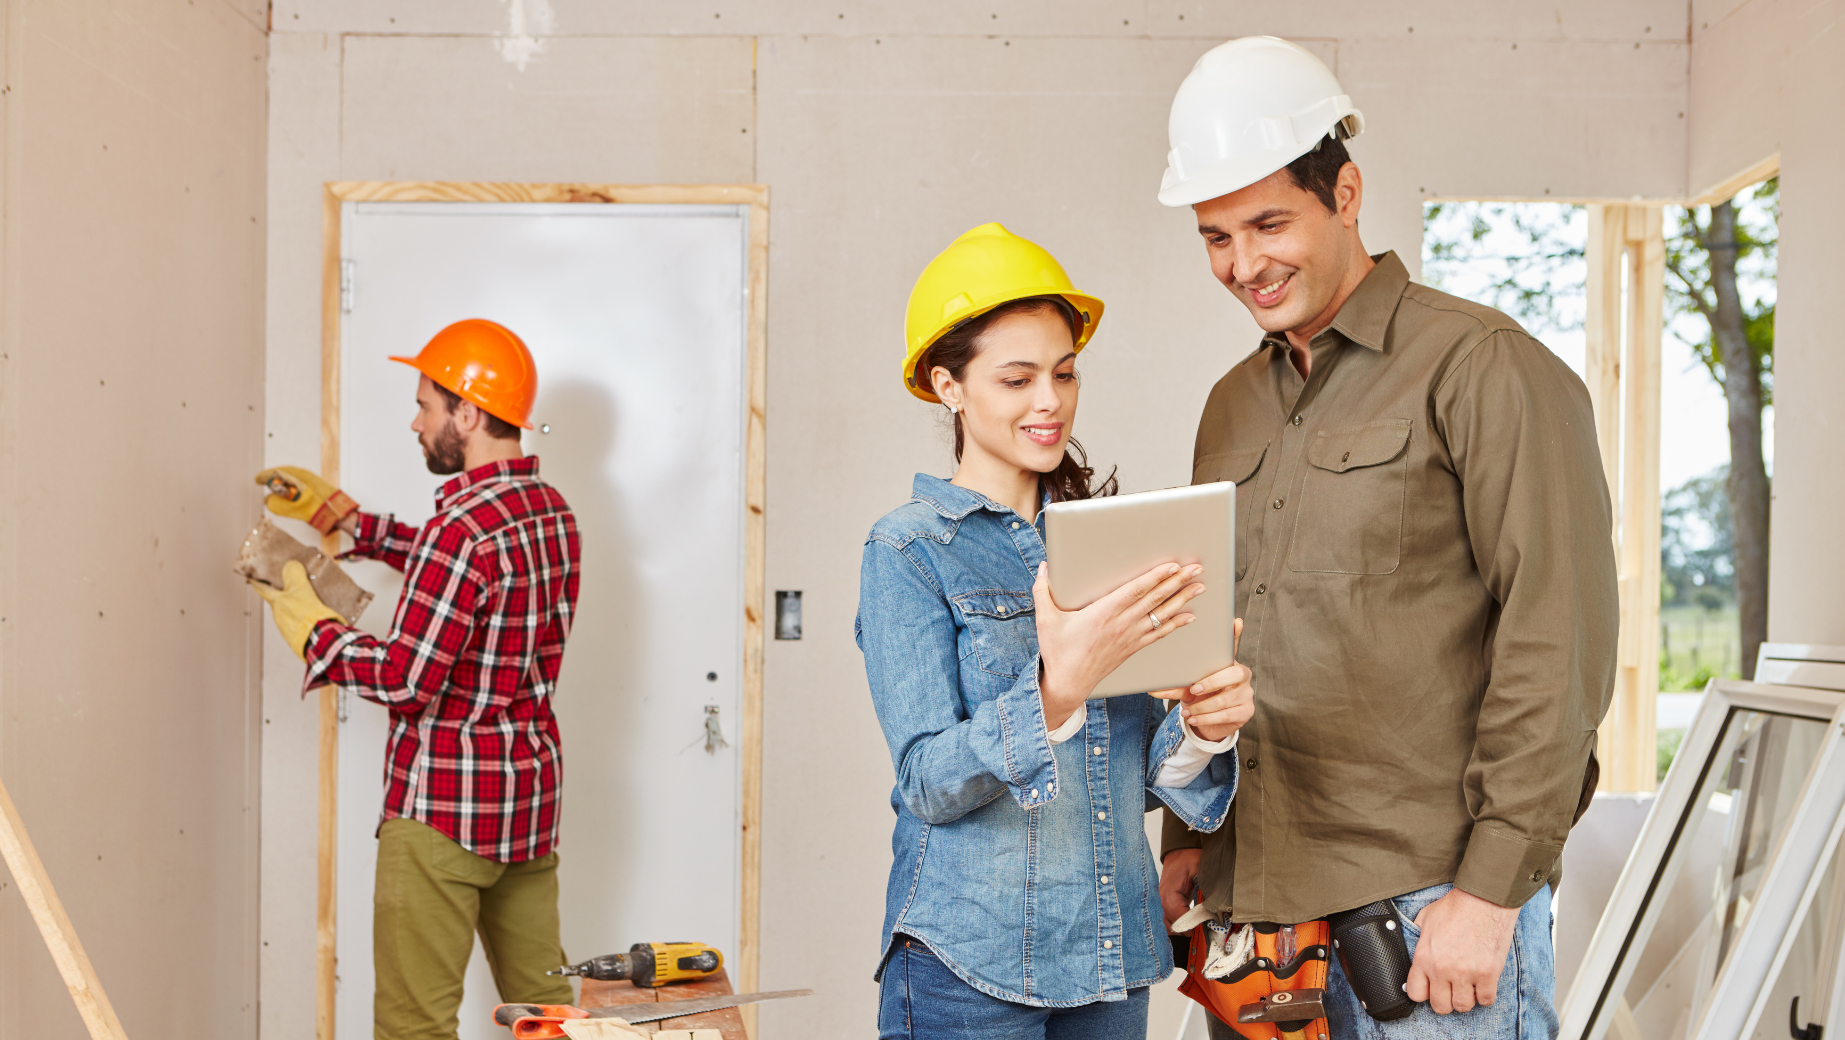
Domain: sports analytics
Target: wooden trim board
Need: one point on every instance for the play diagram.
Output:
(42, 900)
(756, 197)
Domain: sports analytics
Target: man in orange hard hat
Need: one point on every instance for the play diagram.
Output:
(467, 840)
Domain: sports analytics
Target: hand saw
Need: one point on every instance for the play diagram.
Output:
(544, 1021)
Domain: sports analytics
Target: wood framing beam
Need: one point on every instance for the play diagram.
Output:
(1602, 332)
(326, 881)
(1729, 186)
(1625, 323)
(42, 901)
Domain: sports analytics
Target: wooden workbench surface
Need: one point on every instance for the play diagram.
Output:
(613, 994)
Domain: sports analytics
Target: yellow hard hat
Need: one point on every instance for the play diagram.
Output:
(984, 268)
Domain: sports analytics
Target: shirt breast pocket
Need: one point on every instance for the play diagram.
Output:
(1004, 629)
(1236, 467)
(1352, 500)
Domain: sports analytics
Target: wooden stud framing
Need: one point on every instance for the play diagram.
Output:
(755, 502)
(1622, 363)
(48, 912)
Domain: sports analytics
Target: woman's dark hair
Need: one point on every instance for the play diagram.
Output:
(961, 344)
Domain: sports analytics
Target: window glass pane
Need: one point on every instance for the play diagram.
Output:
(1811, 962)
(1711, 877)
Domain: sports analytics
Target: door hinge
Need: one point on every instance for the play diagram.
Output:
(346, 286)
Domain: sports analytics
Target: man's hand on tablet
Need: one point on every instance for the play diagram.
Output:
(1220, 703)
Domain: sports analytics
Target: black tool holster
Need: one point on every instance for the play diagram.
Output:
(1370, 945)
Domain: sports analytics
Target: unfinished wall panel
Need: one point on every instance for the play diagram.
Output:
(460, 108)
(132, 409)
(1629, 20)
(1765, 78)
(1531, 121)
(304, 138)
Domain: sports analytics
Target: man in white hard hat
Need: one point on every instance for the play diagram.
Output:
(1424, 568)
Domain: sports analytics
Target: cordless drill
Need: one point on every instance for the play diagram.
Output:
(651, 964)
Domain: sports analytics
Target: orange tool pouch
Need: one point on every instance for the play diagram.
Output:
(1277, 993)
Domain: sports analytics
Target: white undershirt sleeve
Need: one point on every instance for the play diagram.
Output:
(1191, 757)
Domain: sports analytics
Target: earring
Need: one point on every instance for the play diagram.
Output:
(952, 409)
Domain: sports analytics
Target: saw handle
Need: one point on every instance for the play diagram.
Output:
(536, 1021)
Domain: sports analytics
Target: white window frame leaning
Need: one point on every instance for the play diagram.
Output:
(1788, 886)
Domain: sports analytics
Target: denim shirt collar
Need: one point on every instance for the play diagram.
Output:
(955, 502)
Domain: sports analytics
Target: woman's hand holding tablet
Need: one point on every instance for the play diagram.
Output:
(1077, 649)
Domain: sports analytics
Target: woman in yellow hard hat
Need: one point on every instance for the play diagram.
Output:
(1023, 900)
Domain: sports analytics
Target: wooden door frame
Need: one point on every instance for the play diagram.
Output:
(756, 197)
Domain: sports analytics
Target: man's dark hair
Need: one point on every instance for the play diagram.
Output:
(496, 426)
(1318, 171)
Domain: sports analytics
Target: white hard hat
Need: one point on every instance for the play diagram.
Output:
(1248, 108)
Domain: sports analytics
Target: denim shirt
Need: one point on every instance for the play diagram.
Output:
(1022, 864)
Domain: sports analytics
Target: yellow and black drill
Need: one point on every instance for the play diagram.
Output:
(651, 964)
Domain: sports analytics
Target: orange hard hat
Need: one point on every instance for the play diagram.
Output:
(483, 362)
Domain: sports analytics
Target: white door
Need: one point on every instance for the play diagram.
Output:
(636, 316)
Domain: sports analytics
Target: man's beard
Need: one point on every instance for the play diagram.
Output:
(448, 455)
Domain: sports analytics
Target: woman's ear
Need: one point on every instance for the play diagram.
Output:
(946, 388)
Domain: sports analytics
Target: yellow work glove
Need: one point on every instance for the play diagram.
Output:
(301, 494)
(296, 607)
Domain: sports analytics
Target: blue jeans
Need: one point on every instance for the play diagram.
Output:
(1522, 1009)
(920, 999)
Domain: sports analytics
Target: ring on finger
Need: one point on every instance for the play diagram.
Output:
(1155, 618)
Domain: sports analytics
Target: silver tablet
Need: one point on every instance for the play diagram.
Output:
(1098, 544)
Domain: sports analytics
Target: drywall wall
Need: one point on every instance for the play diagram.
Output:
(131, 298)
(883, 130)
(1765, 76)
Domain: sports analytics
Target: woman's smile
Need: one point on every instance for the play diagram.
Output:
(1047, 435)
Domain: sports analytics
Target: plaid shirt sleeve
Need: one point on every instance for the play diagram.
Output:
(435, 618)
(380, 537)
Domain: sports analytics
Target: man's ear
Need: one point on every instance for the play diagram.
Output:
(1349, 192)
(467, 416)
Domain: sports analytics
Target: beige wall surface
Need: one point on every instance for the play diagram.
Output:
(1764, 76)
(131, 383)
(883, 130)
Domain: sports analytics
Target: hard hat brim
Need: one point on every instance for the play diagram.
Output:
(1229, 175)
(437, 379)
(1087, 306)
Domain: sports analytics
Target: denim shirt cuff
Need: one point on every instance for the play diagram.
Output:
(1030, 766)
(1203, 803)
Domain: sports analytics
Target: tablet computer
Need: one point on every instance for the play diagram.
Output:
(1096, 545)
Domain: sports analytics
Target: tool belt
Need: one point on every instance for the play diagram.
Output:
(1268, 981)
(1265, 981)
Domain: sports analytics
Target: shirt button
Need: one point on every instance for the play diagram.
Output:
(1250, 764)
(1052, 788)
(1262, 588)
(1101, 816)
(1278, 503)
(1104, 879)
(1015, 525)
(1098, 751)
(1108, 944)
(1297, 420)
(1002, 610)
(1537, 875)
(1034, 792)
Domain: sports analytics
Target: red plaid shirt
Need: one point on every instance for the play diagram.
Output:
(469, 670)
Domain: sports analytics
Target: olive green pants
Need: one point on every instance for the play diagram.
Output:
(431, 897)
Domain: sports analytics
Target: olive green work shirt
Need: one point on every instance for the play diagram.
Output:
(1425, 569)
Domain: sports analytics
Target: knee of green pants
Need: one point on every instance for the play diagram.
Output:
(519, 932)
(425, 908)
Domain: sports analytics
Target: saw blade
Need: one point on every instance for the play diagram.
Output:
(638, 1013)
